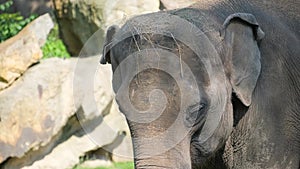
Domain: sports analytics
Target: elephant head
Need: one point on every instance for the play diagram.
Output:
(174, 83)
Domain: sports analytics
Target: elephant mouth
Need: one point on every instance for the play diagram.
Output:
(198, 149)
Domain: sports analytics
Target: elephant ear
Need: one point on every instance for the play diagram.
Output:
(241, 34)
(108, 44)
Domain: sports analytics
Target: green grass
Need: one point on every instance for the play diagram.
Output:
(124, 165)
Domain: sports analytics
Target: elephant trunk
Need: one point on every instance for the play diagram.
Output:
(155, 104)
(153, 156)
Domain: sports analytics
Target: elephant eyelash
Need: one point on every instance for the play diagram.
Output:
(195, 114)
(198, 107)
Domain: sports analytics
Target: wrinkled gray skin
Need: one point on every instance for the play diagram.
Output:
(260, 124)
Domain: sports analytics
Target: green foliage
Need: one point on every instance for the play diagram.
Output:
(11, 23)
(54, 47)
(6, 5)
(125, 165)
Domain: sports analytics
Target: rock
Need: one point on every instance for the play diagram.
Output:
(117, 12)
(174, 4)
(26, 8)
(124, 151)
(23, 50)
(31, 109)
(91, 148)
(55, 106)
(79, 20)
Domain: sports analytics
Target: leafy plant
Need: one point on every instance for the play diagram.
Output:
(11, 23)
(54, 47)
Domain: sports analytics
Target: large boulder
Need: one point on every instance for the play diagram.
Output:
(123, 151)
(26, 8)
(104, 138)
(23, 50)
(79, 20)
(34, 108)
(55, 106)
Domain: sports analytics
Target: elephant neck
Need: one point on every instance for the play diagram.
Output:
(285, 11)
(263, 125)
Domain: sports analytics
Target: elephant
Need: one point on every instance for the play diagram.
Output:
(213, 85)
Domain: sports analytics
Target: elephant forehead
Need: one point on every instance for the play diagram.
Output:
(156, 60)
(166, 25)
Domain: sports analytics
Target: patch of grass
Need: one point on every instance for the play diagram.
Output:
(128, 165)
(54, 46)
(123, 165)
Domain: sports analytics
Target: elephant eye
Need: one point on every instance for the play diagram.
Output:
(197, 108)
(195, 114)
(202, 106)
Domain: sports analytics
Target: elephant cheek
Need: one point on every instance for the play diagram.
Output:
(201, 150)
